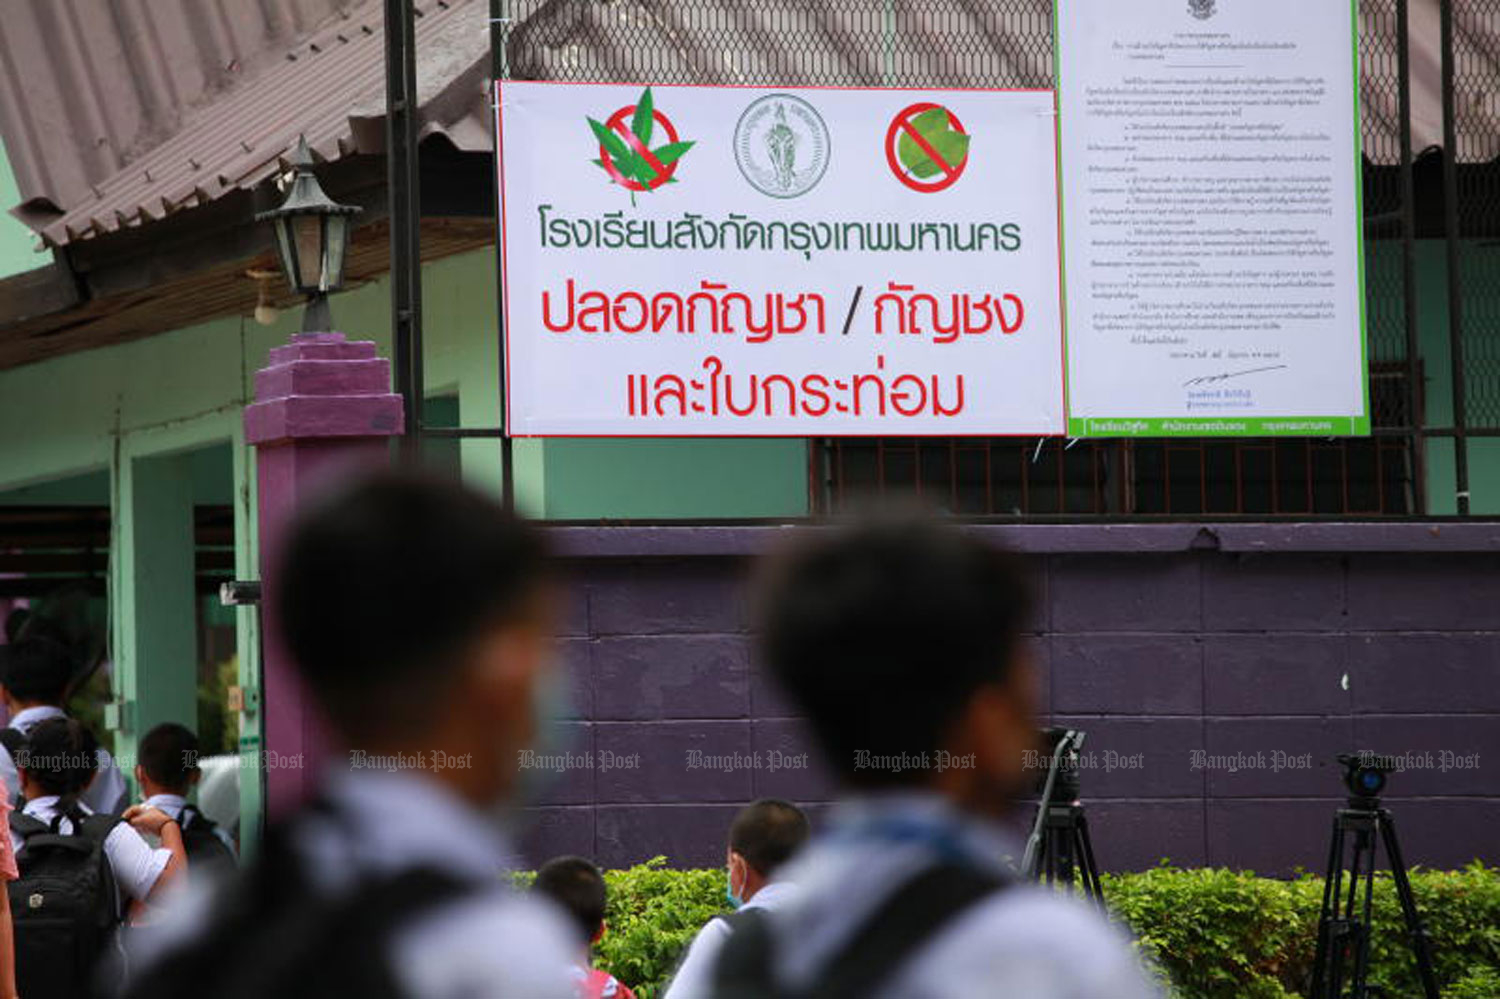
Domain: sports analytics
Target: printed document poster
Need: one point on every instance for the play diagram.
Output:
(1211, 215)
(767, 261)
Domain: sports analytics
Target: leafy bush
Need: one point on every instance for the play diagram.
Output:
(1209, 933)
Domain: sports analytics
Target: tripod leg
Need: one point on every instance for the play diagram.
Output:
(1066, 862)
(1420, 945)
(1328, 917)
(1364, 865)
(1091, 883)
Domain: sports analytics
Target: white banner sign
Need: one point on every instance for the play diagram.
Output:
(735, 261)
(1210, 163)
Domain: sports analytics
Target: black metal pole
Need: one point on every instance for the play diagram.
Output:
(406, 212)
(498, 24)
(1414, 418)
(1455, 280)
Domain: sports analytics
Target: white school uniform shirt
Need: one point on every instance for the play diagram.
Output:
(493, 941)
(696, 975)
(1024, 941)
(173, 805)
(105, 795)
(134, 863)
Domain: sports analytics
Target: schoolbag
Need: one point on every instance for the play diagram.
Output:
(891, 934)
(201, 842)
(270, 933)
(65, 905)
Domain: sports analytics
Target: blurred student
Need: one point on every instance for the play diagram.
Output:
(900, 642)
(78, 870)
(418, 614)
(34, 677)
(763, 837)
(578, 888)
(167, 771)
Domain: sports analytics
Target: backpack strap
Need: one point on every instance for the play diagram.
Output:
(27, 826)
(897, 929)
(270, 933)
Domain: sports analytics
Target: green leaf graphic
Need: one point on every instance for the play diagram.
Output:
(932, 125)
(643, 121)
(671, 152)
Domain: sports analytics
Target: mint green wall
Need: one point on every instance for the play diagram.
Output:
(643, 479)
(17, 244)
(156, 423)
(1482, 345)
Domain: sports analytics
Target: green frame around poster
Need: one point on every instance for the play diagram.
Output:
(1260, 426)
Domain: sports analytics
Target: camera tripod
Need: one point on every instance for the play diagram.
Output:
(1342, 962)
(1059, 850)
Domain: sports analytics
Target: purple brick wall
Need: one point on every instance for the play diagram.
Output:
(1162, 642)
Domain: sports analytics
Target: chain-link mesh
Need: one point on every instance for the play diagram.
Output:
(1476, 109)
(1008, 43)
(897, 43)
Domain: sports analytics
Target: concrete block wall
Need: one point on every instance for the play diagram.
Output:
(1217, 671)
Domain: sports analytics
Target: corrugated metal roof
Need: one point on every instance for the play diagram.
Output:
(96, 135)
(88, 86)
(330, 87)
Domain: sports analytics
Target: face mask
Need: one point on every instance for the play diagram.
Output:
(730, 895)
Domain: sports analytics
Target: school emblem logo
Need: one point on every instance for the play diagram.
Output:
(781, 146)
(625, 151)
(1202, 9)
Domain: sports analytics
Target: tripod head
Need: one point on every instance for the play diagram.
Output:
(1365, 776)
(1060, 780)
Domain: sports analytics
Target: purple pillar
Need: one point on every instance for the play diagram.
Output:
(323, 406)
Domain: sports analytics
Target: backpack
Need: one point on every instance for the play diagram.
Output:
(898, 927)
(270, 933)
(201, 842)
(65, 905)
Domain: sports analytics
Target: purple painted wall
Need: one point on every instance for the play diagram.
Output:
(1160, 641)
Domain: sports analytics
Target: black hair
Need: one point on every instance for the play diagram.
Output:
(169, 755)
(767, 833)
(882, 630)
(61, 756)
(575, 884)
(386, 584)
(37, 669)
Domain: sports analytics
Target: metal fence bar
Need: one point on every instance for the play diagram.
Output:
(1455, 281)
(1415, 418)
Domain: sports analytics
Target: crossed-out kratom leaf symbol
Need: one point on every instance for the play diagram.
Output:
(949, 143)
(632, 163)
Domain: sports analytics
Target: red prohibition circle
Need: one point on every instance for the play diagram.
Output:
(902, 123)
(663, 171)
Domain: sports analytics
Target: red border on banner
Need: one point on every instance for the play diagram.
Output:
(505, 271)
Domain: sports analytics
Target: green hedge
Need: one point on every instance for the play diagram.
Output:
(1212, 933)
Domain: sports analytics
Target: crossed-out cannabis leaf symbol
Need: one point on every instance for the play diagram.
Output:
(629, 159)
